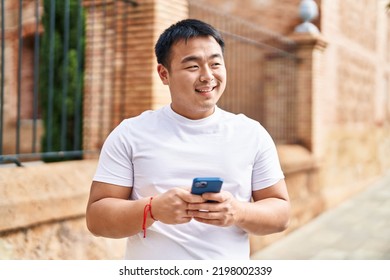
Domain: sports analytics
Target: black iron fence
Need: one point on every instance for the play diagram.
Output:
(41, 80)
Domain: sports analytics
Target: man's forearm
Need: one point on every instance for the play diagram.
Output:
(263, 217)
(117, 218)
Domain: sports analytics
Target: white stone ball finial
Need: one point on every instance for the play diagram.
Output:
(308, 11)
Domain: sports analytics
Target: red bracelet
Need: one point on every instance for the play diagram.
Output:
(148, 208)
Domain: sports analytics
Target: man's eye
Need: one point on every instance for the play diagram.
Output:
(192, 67)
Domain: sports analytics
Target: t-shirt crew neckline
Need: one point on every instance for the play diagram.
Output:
(183, 120)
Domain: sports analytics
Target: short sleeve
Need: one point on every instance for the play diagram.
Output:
(267, 170)
(115, 164)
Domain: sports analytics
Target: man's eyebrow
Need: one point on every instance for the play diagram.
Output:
(197, 58)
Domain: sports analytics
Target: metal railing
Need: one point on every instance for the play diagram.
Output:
(41, 95)
(31, 97)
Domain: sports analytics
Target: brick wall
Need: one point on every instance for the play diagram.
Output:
(352, 112)
(120, 62)
(11, 87)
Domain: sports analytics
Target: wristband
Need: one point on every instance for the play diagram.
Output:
(147, 208)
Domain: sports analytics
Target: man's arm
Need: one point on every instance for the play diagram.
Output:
(268, 213)
(110, 213)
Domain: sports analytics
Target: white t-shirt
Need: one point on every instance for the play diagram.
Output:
(159, 150)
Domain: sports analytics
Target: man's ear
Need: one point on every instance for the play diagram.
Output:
(163, 73)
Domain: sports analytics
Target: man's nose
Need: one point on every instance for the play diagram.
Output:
(206, 75)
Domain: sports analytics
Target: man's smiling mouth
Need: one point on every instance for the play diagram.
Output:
(205, 90)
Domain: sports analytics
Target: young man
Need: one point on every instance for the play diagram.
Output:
(141, 189)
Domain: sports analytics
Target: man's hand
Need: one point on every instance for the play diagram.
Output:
(223, 212)
(171, 207)
(268, 213)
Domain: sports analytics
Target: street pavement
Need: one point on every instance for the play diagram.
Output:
(358, 229)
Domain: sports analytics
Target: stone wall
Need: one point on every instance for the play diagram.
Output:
(43, 215)
(354, 108)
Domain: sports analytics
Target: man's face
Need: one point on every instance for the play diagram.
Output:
(196, 77)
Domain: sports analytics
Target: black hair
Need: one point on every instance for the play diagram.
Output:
(183, 30)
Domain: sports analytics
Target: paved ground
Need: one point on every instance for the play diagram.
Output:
(357, 229)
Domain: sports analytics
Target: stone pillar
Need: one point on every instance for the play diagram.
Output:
(121, 79)
(278, 100)
(165, 14)
(309, 51)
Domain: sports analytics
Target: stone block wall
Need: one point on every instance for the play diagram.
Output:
(43, 215)
(353, 109)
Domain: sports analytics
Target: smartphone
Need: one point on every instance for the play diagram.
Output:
(206, 184)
